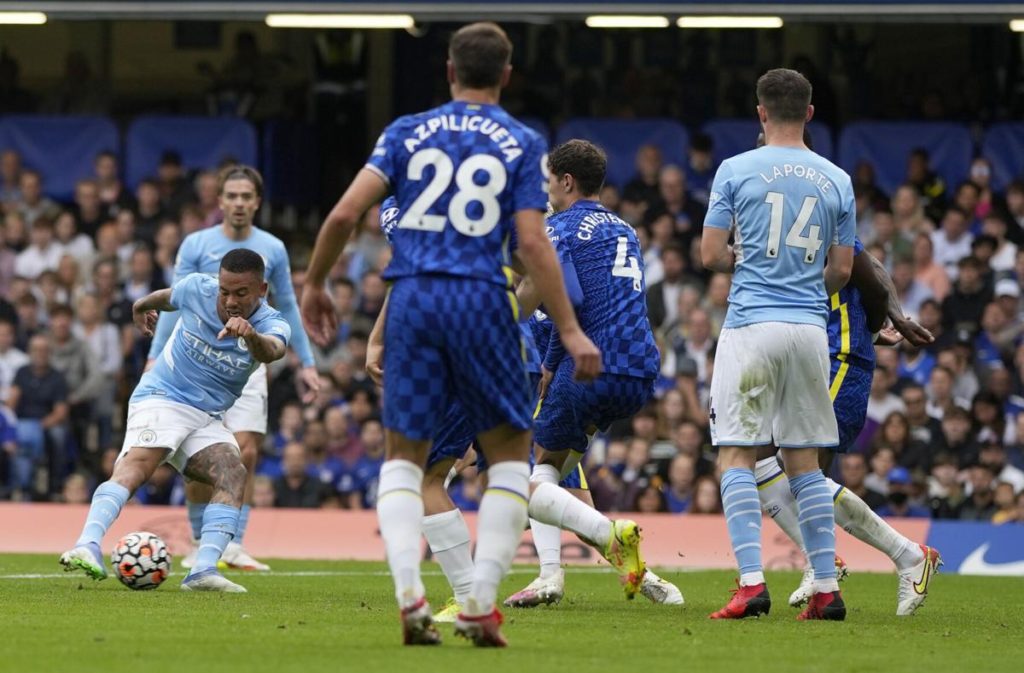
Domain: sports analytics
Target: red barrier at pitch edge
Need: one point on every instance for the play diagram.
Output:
(672, 541)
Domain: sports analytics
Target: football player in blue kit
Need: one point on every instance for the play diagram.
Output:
(464, 175)
(226, 331)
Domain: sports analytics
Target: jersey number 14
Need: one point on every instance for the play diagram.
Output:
(811, 243)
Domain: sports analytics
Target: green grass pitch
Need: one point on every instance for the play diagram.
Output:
(330, 616)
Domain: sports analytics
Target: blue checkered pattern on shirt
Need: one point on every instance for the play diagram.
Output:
(451, 338)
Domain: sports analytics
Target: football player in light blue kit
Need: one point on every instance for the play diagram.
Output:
(226, 330)
(789, 211)
(241, 190)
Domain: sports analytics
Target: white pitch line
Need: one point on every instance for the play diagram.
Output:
(312, 573)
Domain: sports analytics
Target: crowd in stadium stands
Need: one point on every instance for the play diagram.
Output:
(945, 431)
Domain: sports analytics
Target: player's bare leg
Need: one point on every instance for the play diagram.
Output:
(400, 515)
(130, 472)
(448, 537)
(501, 521)
(220, 467)
(618, 541)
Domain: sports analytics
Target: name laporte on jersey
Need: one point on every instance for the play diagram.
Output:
(499, 135)
(821, 180)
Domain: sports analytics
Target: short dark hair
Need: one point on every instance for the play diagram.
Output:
(62, 310)
(240, 172)
(243, 260)
(785, 94)
(583, 160)
(702, 142)
(479, 53)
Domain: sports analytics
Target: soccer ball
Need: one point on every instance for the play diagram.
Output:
(141, 561)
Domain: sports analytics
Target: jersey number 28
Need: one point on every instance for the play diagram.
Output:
(468, 191)
(811, 243)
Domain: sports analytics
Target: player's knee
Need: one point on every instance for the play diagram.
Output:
(249, 448)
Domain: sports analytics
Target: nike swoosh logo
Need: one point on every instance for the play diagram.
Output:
(921, 587)
(975, 564)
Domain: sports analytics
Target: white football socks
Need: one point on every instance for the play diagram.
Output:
(553, 505)
(855, 517)
(500, 525)
(400, 514)
(548, 541)
(777, 500)
(448, 537)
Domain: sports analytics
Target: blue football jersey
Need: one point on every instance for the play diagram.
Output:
(849, 339)
(388, 218)
(459, 173)
(202, 251)
(787, 206)
(196, 368)
(604, 252)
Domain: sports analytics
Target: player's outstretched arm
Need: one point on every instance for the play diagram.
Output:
(146, 310)
(715, 252)
(318, 315)
(542, 265)
(878, 281)
(264, 348)
(839, 268)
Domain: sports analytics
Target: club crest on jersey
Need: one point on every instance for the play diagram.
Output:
(242, 345)
(147, 437)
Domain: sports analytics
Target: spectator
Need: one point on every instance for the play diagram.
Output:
(38, 398)
(910, 292)
(924, 429)
(1005, 257)
(610, 198)
(928, 272)
(34, 204)
(168, 238)
(980, 504)
(79, 366)
(945, 492)
(29, 322)
(76, 490)
(679, 491)
(207, 187)
(191, 221)
(11, 358)
(962, 309)
(650, 500)
(90, 211)
(10, 178)
(908, 213)
(641, 192)
(915, 365)
(42, 255)
(928, 184)
(175, 191)
(149, 211)
(1015, 212)
(940, 393)
(605, 479)
(993, 456)
(994, 343)
(1006, 505)
(883, 460)
(358, 484)
(295, 488)
(899, 502)
(700, 167)
(290, 428)
(966, 198)
(716, 301)
(952, 241)
(663, 297)
(881, 401)
(263, 491)
(886, 235)
(673, 198)
(15, 231)
(965, 381)
(707, 497)
(112, 193)
(981, 176)
(107, 288)
(854, 470)
(163, 488)
(895, 434)
(71, 241)
(143, 277)
(104, 343)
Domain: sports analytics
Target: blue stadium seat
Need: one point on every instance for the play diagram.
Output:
(735, 136)
(62, 149)
(1003, 145)
(203, 143)
(620, 139)
(887, 145)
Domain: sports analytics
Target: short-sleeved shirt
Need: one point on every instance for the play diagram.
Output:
(787, 206)
(39, 394)
(196, 368)
(459, 173)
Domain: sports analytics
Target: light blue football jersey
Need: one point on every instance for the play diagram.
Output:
(196, 368)
(202, 251)
(787, 206)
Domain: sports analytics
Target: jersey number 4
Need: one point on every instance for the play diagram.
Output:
(811, 243)
(468, 191)
(626, 266)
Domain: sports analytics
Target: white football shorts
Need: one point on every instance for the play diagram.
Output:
(770, 386)
(249, 412)
(185, 430)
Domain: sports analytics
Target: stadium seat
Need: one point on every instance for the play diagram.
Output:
(1003, 145)
(887, 145)
(735, 136)
(620, 139)
(62, 149)
(203, 142)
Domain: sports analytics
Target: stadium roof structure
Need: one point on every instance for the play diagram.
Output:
(987, 11)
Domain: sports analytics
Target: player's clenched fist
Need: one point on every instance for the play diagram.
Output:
(237, 327)
(145, 321)
(584, 353)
